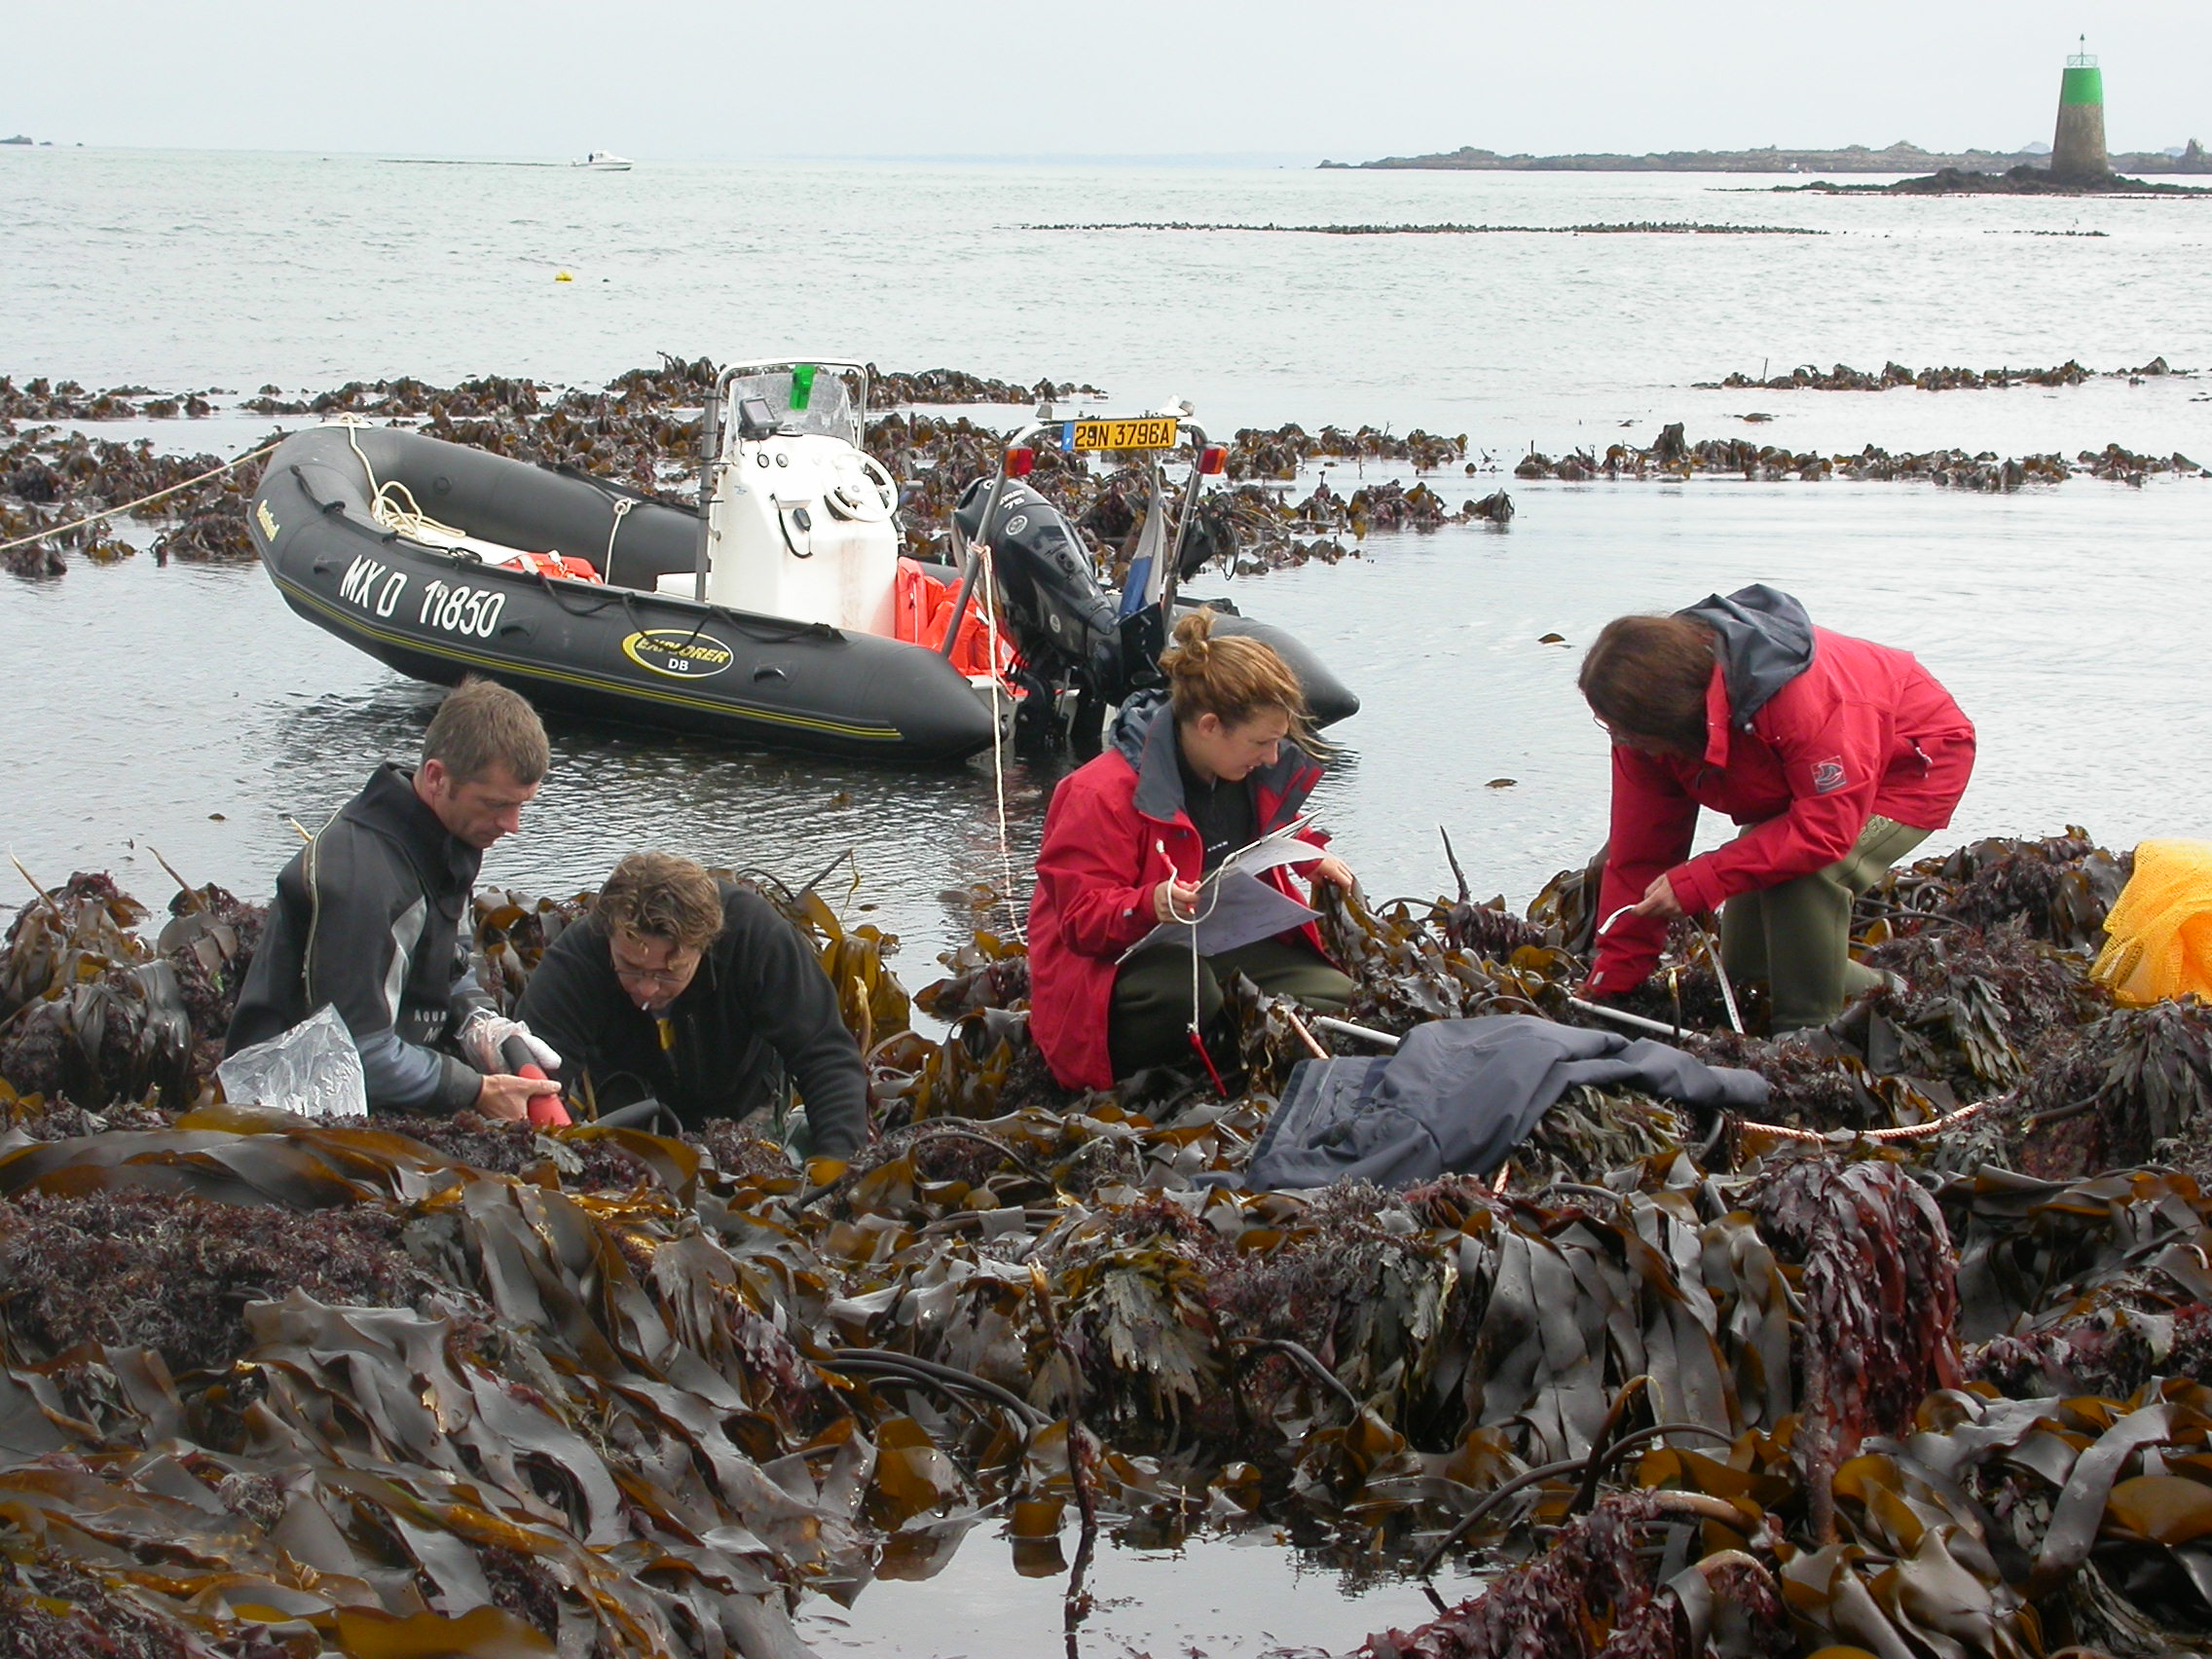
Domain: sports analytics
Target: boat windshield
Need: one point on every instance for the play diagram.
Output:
(806, 398)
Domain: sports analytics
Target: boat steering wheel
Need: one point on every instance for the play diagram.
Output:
(869, 497)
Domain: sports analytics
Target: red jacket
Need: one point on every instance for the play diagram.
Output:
(1117, 830)
(1847, 730)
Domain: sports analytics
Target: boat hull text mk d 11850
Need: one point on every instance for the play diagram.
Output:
(778, 611)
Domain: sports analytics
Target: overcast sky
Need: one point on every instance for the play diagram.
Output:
(1289, 79)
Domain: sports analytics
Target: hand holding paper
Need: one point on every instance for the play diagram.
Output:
(1233, 907)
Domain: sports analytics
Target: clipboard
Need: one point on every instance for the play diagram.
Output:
(1236, 908)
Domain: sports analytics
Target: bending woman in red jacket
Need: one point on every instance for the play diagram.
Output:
(1192, 775)
(1839, 755)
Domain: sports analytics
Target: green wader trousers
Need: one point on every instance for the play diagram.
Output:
(1148, 1023)
(1796, 935)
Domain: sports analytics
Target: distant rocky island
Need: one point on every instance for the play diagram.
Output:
(1897, 157)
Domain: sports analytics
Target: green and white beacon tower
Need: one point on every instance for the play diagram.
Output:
(2078, 152)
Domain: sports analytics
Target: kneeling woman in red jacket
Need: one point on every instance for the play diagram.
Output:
(1840, 756)
(1192, 775)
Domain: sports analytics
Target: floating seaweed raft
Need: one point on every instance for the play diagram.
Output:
(411, 1386)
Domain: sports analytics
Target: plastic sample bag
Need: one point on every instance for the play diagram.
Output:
(2158, 936)
(313, 1069)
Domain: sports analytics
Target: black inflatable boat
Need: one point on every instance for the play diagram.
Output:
(782, 613)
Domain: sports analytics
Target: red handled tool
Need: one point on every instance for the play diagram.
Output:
(545, 1110)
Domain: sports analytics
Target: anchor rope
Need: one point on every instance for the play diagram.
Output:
(111, 512)
(998, 750)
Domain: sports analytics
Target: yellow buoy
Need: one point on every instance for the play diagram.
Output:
(563, 276)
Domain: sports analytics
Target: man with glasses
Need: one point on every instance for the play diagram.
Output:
(697, 994)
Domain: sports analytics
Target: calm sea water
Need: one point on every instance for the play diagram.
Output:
(186, 710)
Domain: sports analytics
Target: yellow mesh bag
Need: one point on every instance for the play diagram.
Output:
(2158, 941)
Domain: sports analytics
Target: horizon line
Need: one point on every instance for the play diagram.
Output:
(1299, 159)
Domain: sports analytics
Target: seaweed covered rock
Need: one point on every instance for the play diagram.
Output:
(173, 1272)
(95, 1015)
(2059, 888)
(1700, 1386)
(1878, 1276)
(2134, 1087)
(1595, 1592)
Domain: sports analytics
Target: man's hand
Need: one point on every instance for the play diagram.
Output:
(1335, 871)
(1174, 901)
(507, 1098)
(1658, 901)
(483, 1034)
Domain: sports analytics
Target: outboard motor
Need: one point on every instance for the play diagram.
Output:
(1072, 634)
(1065, 625)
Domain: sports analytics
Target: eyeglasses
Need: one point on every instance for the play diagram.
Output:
(1622, 738)
(671, 977)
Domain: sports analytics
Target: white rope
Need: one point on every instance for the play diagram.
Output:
(1720, 973)
(1192, 922)
(410, 520)
(79, 524)
(1712, 955)
(998, 748)
(622, 506)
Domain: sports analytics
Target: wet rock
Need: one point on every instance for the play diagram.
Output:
(1893, 374)
(1672, 455)
(2023, 180)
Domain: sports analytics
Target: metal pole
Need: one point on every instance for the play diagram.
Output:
(1621, 1016)
(974, 568)
(1366, 1033)
(983, 531)
(1175, 550)
(710, 465)
(1384, 1039)
(1313, 1045)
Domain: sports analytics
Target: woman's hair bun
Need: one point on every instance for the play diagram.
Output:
(1194, 636)
(1233, 678)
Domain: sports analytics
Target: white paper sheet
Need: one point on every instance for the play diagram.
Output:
(1234, 907)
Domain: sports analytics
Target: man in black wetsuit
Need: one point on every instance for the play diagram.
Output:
(368, 918)
(697, 993)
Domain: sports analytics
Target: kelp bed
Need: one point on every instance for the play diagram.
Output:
(640, 430)
(1810, 377)
(1671, 456)
(274, 1387)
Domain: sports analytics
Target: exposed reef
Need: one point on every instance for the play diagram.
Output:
(1848, 1377)
(1891, 376)
(1897, 157)
(1672, 455)
(2024, 180)
(642, 430)
(1638, 227)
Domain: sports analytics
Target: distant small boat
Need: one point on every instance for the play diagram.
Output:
(605, 160)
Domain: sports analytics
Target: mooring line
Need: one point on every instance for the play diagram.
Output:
(79, 524)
